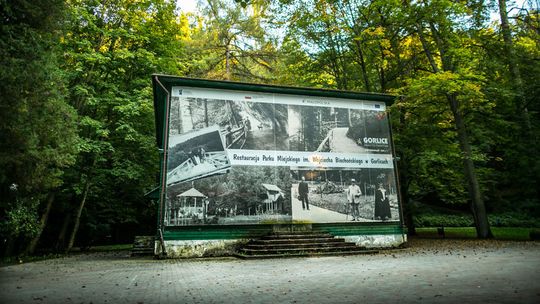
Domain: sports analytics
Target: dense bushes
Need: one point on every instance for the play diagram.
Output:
(513, 219)
(466, 220)
(447, 220)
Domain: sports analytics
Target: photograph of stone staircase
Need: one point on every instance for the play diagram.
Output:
(299, 243)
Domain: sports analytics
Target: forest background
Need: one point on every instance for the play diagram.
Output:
(77, 141)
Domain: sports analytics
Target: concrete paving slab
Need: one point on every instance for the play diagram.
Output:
(429, 271)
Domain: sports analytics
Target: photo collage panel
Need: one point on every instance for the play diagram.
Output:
(243, 158)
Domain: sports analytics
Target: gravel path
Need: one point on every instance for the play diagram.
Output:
(427, 271)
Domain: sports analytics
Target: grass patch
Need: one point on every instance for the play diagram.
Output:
(500, 233)
(511, 233)
(450, 232)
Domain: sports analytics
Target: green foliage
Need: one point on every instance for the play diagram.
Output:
(110, 51)
(508, 219)
(76, 104)
(292, 60)
(446, 220)
(429, 140)
(229, 43)
(500, 233)
(38, 128)
(20, 220)
(514, 219)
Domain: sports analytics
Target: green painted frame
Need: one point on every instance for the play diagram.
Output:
(162, 85)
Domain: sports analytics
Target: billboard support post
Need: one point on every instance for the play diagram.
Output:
(163, 160)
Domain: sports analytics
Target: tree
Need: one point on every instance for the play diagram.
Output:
(39, 132)
(521, 104)
(316, 27)
(111, 49)
(230, 42)
(452, 80)
(359, 43)
(515, 140)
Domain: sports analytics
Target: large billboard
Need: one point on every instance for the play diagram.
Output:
(240, 157)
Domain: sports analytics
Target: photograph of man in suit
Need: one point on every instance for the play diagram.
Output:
(353, 196)
(303, 191)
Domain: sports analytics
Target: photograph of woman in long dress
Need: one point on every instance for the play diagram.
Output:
(382, 204)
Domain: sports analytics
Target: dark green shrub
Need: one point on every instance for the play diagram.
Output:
(508, 219)
(446, 220)
(513, 219)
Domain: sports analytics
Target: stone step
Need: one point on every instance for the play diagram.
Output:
(299, 246)
(143, 246)
(297, 232)
(298, 240)
(296, 236)
(298, 243)
(297, 250)
(304, 254)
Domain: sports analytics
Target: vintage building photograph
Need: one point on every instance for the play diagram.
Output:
(245, 195)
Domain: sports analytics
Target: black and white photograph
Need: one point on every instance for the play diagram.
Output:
(330, 196)
(205, 188)
(196, 154)
(245, 195)
(244, 124)
(339, 130)
(370, 130)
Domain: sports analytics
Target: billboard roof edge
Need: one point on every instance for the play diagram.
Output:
(170, 81)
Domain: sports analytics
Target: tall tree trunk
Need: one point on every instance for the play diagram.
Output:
(206, 112)
(408, 208)
(403, 194)
(478, 207)
(353, 26)
(363, 66)
(521, 106)
(227, 63)
(231, 108)
(477, 203)
(42, 223)
(404, 183)
(426, 48)
(382, 75)
(78, 217)
(304, 146)
(60, 241)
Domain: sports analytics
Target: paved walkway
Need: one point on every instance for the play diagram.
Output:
(317, 214)
(339, 142)
(445, 272)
